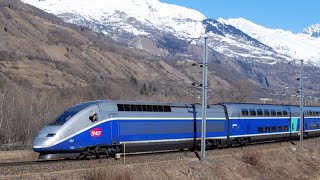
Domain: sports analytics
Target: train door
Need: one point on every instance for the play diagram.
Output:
(294, 125)
(114, 128)
(293, 122)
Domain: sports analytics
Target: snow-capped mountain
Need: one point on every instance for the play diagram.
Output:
(299, 46)
(151, 24)
(132, 16)
(313, 30)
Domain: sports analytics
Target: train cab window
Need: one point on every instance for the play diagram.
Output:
(273, 112)
(139, 107)
(285, 112)
(252, 112)
(266, 112)
(160, 108)
(260, 129)
(286, 128)
(127, 107)
(267, 129)
(120, 107)
(279, 112)
(259, 112)
(245, 112)
(274, 128)
(133, 107)
(279, 128)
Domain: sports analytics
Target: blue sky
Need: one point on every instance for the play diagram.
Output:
(292, 15)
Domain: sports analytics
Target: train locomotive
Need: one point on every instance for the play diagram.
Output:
(105, 127)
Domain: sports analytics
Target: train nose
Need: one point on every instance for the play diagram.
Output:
(45, 138)
(41, 143)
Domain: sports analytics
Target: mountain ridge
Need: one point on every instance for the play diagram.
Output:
(296, 46)
(313, 30)
(133, 18)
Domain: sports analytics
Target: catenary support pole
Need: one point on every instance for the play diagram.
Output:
(301, 103)
(204, 100)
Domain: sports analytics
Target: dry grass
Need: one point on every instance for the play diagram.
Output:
(104, 174)
(270, 161)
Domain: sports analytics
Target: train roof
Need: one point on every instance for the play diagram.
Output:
(135, 102)
(255, 105)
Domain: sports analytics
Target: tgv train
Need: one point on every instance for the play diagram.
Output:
(96, 128)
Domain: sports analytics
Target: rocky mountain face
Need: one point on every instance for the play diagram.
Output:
(135, 19)
(313, 30)
(63, 55)
(240, 45)
(39, 50)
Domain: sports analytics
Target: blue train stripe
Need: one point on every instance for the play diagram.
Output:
(118, 118)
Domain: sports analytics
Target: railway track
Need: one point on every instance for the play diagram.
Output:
(37, 162)
(146, 154)
(21, 168)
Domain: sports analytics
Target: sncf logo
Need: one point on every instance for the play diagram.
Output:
(96, 132)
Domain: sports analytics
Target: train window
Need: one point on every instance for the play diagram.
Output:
(139, 107)
(160, 108)
(259, 112)
(313, 126)
(127, 107)
(155, 109)
(267, 129)
(314, 113)
(120, 107)
(285, 112)
(167, 108)
(295, 114)
(286, 128)
(144, 108)
(133, 107)
(279, 128)
(260, 129)
(279, 112)
(273, 112)
(149, 108)
(274, 128)
(245, 112)
(252, 112)
(266, 112)
(318, 113)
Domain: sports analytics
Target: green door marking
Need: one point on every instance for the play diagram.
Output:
(294, 124)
